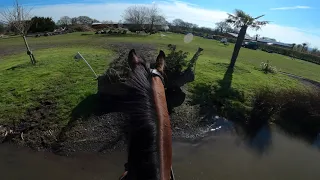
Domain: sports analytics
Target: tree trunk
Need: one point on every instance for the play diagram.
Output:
(151, 27)
(237, 46)
(29, 52)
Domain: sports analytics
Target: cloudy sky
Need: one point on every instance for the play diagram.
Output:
(292, 21)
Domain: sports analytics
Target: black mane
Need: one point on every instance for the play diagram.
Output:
(143, 157)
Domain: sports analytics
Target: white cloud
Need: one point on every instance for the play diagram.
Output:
(288, 34)
(292, 7)
(176, 9)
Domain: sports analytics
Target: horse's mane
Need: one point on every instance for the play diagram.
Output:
(143, 157)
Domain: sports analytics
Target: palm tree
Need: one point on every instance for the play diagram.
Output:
(292, 50)
(304, 47)
(299, 47)
(242, 20)
(257, 36)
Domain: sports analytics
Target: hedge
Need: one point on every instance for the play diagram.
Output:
(288, 52)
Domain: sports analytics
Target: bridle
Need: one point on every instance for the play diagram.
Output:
(153, 73)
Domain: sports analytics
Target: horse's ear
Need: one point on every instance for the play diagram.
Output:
(160, 62)
(133, 59)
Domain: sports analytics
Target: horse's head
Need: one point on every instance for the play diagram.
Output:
(135, 61)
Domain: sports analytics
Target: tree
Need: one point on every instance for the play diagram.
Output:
(315, 51)
(74, 21)
(95, 21)
(136, 15)
(153, 16)
(2, 27)
(242, 20)
(107, 22)
(224, 27)
(85, 20)
(305, 46)
(257, 37)
(20, 18)
(64, 21)
(42, 24)
(298, 47)
(178, 22)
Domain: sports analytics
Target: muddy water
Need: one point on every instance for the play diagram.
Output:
(219, 156)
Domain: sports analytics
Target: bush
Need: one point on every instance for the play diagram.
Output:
(79, 28)
(175, 60)
(135, 27)
(42, 24)
(288, 52)
(2, 29)
(267, 68)
(297, 112)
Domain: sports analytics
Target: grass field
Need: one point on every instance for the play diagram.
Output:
(59, 79)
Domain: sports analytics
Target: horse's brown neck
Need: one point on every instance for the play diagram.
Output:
(164, 129)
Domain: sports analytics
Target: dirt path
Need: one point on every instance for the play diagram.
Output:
(306, 81)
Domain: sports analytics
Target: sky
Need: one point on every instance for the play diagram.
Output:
(291, 21)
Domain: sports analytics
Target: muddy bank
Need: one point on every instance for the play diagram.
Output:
(106, 133)
(94, 127)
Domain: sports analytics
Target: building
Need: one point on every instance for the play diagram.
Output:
(100, 26)
(263, 40)
(234, 35)
(274, 43)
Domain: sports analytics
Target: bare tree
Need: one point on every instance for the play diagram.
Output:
(85, 20)
(136, 15)
(224, 27)
(74, 21)
(107, 22)
(64, 21)
(153, 16)
(20, 18)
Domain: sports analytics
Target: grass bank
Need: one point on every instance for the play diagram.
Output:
(57, 79)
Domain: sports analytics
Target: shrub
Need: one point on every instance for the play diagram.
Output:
(135, 27)
(267, 68)
(288, 52)
(175, 60)
(296, 111)
(79, 28)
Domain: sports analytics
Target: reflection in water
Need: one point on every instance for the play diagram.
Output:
(261, 140)
(316, 142)
(218, 156)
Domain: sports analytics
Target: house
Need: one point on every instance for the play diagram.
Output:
(272, 42)
(234, 35)
(100, 26)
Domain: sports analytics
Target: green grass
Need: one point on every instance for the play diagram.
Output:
(57, 78)
(61, 80)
